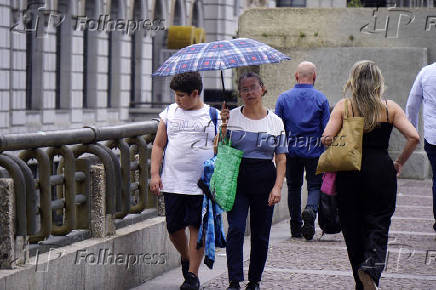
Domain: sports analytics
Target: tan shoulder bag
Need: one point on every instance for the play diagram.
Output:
(345, 152)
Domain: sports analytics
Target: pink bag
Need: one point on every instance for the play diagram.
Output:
(329, 183)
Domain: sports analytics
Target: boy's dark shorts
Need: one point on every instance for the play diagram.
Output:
(182, 210)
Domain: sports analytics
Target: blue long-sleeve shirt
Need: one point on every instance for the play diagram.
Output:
(305, 112)
(424, 92)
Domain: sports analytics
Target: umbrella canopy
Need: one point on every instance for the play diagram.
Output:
(220, 55)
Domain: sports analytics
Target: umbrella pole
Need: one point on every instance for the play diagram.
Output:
(222, 82)
(223, 106)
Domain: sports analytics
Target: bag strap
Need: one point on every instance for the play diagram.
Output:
(346, 109)
(387, 112)
(213, 114)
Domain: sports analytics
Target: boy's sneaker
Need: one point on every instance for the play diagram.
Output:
(185, 268)
(368, 283)
(252, 286)
(234, 286)
(308, 228)
(191, 282)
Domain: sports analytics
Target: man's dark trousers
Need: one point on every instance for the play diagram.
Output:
(295, 167)
(431, 154)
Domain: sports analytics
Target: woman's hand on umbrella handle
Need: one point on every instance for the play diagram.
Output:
(224, 114)
(224, 119)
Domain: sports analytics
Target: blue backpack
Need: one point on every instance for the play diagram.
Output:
(213, 113)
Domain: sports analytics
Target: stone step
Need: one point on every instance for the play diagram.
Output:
(416, 200)
(422, 212)
(422, 225)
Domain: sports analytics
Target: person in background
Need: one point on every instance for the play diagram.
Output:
(258, 132)
(366, 198)
(424, 92)
(185, 134)
(305, 112)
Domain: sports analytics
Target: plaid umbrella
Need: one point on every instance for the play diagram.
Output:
(220, 55)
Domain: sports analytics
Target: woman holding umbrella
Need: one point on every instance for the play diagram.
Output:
(258, 132)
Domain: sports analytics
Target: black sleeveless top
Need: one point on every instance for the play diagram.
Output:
(378, 138)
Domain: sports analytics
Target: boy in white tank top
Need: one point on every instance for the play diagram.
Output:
(184, 140)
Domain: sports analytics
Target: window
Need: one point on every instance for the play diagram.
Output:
(380, 3)
(177, 13)
(113, 96)
(64, 56)
(136, 58)
(89, 97)
(159, 40)
(291, 3)
(236, 7)
(34, 45)
(197, 14)
(29, 69)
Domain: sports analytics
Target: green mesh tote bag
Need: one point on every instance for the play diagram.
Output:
(225, 176)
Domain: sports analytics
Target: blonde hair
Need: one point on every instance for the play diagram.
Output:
(366, 84)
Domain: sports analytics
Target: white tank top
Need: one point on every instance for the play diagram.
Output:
(190, 143)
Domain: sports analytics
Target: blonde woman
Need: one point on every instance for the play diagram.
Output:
(366, 198)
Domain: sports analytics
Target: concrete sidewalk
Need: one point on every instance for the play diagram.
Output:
(323, 263)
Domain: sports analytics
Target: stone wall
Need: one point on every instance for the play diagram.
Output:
(334, 39)
(135, 254)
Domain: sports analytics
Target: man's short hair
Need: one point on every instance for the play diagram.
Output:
(187, 82)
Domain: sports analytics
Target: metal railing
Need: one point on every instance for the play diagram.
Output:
(60, 184)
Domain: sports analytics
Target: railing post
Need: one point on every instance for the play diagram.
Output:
(13, 249)
(160, 205)
(101, 223)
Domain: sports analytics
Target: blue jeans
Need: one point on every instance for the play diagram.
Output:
(431, 154)
(295, 167)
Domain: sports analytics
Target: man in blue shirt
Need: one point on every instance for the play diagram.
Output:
(424, 91)
(305, 112)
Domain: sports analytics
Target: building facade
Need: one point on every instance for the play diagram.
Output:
(70, 63)
(398, 3)
(74, 63)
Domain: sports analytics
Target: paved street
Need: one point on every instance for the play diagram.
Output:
(323, 264)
